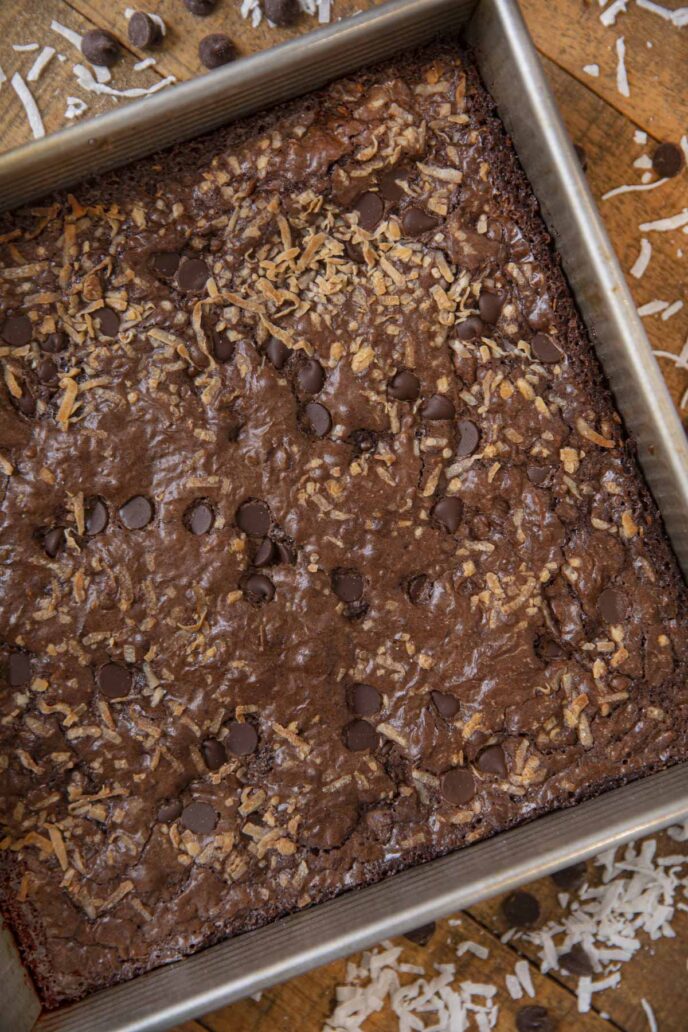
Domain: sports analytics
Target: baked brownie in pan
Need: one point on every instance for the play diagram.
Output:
(324, 551)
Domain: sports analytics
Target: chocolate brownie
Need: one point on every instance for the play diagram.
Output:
(324, 551)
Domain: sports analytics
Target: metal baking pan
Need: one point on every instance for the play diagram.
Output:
(357, 919)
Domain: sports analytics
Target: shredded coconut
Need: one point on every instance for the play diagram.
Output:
(678, 17)
(75, 107)
(651, 1020)
(609, 16)
(672, 310)
(621, 75)
(684, 147)
(30, 106)
(665, 225)
(639, 136)
(642, 261)
(147, 62)
(593, 70)
(631, 187)
(46, 55)
(652, 308)
(23, 48)
(644, 161)
(86, 80)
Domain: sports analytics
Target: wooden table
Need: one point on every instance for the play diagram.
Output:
(570, 37)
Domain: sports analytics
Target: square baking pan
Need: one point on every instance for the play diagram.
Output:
(362, 917)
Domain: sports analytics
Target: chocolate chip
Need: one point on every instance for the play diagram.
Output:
(242, 739)
(216, 50)
(457, 786)
(446, 705)
(490, 306)
(353, 252)
(200, 818)
(26, 403)
(534, 1019)
(199, 518)
(136, 513)
(370, 210)
(266, 554)
(54, 343)
(285, 553)
(100, 48)
(448, 512)
(253, 517)
(404, 386)
(390, 187)
(437, 406)
(416, 221)
(422, 935)
(360, 736)
(107, 321)
(521, 909)
(310, 377)
(419, 589)
(281, 12)
(363, 440)
(95, 516)
(214, 753)
(192, 275)
(576, 961)
(223, 347)
(46, 371)
(143, 31)
(53, 541)
(17, 330)
(258, 588)
(201, 8)
(492, 761)
(169, 811)
(317, 419)
(364, 700)
(667, 160)
(570, 878)
(114, 680)
(165, 263)
(612, 605)
(581, 155)
(18, 669)
(347, 584)
(277, 352)
(545, 349)
(537, 474)
(469, 438)
(470, 328)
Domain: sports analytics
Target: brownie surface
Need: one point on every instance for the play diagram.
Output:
(323, 550)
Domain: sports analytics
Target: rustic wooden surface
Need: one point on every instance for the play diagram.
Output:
(569, 36)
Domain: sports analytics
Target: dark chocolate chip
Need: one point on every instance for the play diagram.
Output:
(200, 818)
(258, 588)
(54, 343)
(667, 160)
(18, 669)
(199, 518)
(363, 440)
(114, 680)
(537, 474)
(317, 419)
(284, 553)
(26, 403)
(216, 50)
(469, 438)
(201, 8)
(416, 221)
(17, 330)
(437, 406)
(192, 275)
(570, 878)
(223, 347)
(281, 12)
(108, 321)
(576, 961)
(612, 605)
(446, 705)
(581, 155)
(353, 252)
(347, 584)
(534, 1018)
(54, 540)
(470, 328)
(242, 739)
(545, 349)
(213, 753)
(421, 936)
(165, 263)
(492, 761)
(364, 700)
(46, 371)
(419, 589)
(266, 554)
(390, 187)
(95, 516)
(169, 811)
(100, 48)
(143, 31)
(521, 909)
(448, 512)
(404, 386)
(360, 736)
(310, 377)
(253, 517)
(136, 513)
(457, 786)
(490, 306)
(370, 210)
(277, 352)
